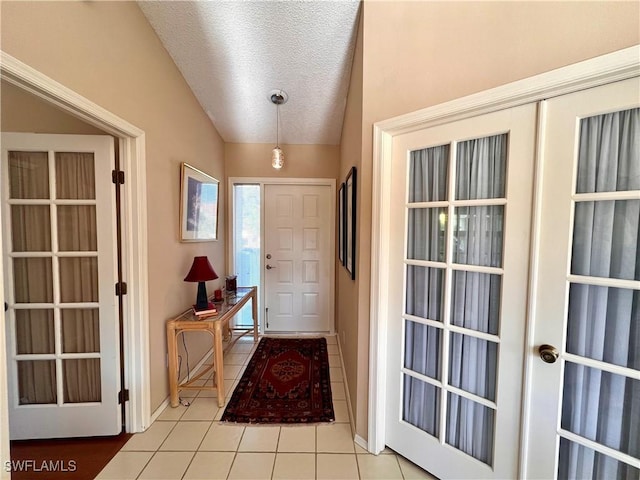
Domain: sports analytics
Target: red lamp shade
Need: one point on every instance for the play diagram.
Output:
(201, 271)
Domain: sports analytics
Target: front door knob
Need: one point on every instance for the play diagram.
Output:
(548, 353)
(269, 267)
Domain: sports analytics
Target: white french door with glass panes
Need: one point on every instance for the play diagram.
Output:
(585, 403)
(60, 270)
(462, 214)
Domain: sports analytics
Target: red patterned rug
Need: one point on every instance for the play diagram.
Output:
(286, 381)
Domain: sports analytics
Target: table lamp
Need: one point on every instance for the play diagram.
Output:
(200, 272)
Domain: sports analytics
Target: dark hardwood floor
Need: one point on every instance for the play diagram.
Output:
(65, 458)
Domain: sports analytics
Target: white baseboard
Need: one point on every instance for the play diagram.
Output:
(352, 421)
(361, 442)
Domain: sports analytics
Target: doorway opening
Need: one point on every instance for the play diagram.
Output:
(134, 249)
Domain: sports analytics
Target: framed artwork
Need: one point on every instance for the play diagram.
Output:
(198, 205)
(350, 220)
(341, 224)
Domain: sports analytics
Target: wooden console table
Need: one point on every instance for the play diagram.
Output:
(220, 329)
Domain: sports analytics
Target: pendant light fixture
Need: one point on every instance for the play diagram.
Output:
(277, 97)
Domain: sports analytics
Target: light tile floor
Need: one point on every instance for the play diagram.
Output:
(191, 443)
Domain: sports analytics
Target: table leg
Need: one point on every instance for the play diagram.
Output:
(219, 362)
(172, 347)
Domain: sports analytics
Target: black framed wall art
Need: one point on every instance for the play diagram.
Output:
(350, 221)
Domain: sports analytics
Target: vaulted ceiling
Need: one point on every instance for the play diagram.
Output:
(233, 54)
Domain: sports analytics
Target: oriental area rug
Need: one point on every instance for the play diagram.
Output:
(286, 381)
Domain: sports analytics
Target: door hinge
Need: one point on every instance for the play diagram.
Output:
(117, 177)
(121, 289)
(267, 315)
(123, 396)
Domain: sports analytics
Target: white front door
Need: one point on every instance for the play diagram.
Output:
(298, 258)
(585, 404)
(459, 243)
(60, 270)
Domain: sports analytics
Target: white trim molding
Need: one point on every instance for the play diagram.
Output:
(598, 71)
(134, 228)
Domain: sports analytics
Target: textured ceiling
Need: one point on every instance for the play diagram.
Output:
(234, 53)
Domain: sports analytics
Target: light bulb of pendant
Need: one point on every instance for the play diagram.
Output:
(277, 158)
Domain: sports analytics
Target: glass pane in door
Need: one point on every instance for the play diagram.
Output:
(604, 324)
(78, 279)
(481, 168)
(421, 405)
(475, 302)
(75, 176)
(610, 401)
(426, 230)
(473, 365)
(470, 427)
(577, 461)
(425, 292)
(478, 235)
(81, 382)
(32, 280)
(30, 228)
(429, 174)
(28, 175)
(80, 330)
(34, 331)
(37, 382)
(422, 349)
(77, 228)
(605, 239)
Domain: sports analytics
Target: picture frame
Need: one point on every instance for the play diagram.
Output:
(341, 224)
(350, 220)
(199, 198)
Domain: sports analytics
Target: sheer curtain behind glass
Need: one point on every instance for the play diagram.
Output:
(33, 276)
(478, 235)
(604, 322)
(475, 298)
(424, 292)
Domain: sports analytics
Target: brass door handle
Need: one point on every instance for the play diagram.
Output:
(269, 267)
(548, 353)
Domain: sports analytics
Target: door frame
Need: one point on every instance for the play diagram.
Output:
(594, 72)
(134, 245)
(262, 181)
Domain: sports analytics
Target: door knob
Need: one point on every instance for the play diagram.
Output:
(548, 353)
(269, 267)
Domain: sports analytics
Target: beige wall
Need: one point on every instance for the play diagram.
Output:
(347, 289)
(107, 52)
(26, 113)
(300, 161)
(419, 54)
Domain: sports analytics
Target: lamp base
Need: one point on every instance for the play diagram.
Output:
(202, 302)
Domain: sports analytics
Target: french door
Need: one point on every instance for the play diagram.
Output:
(459, 283)
(298, 257)
(457, 298)
(585, 394)
(60, 270)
